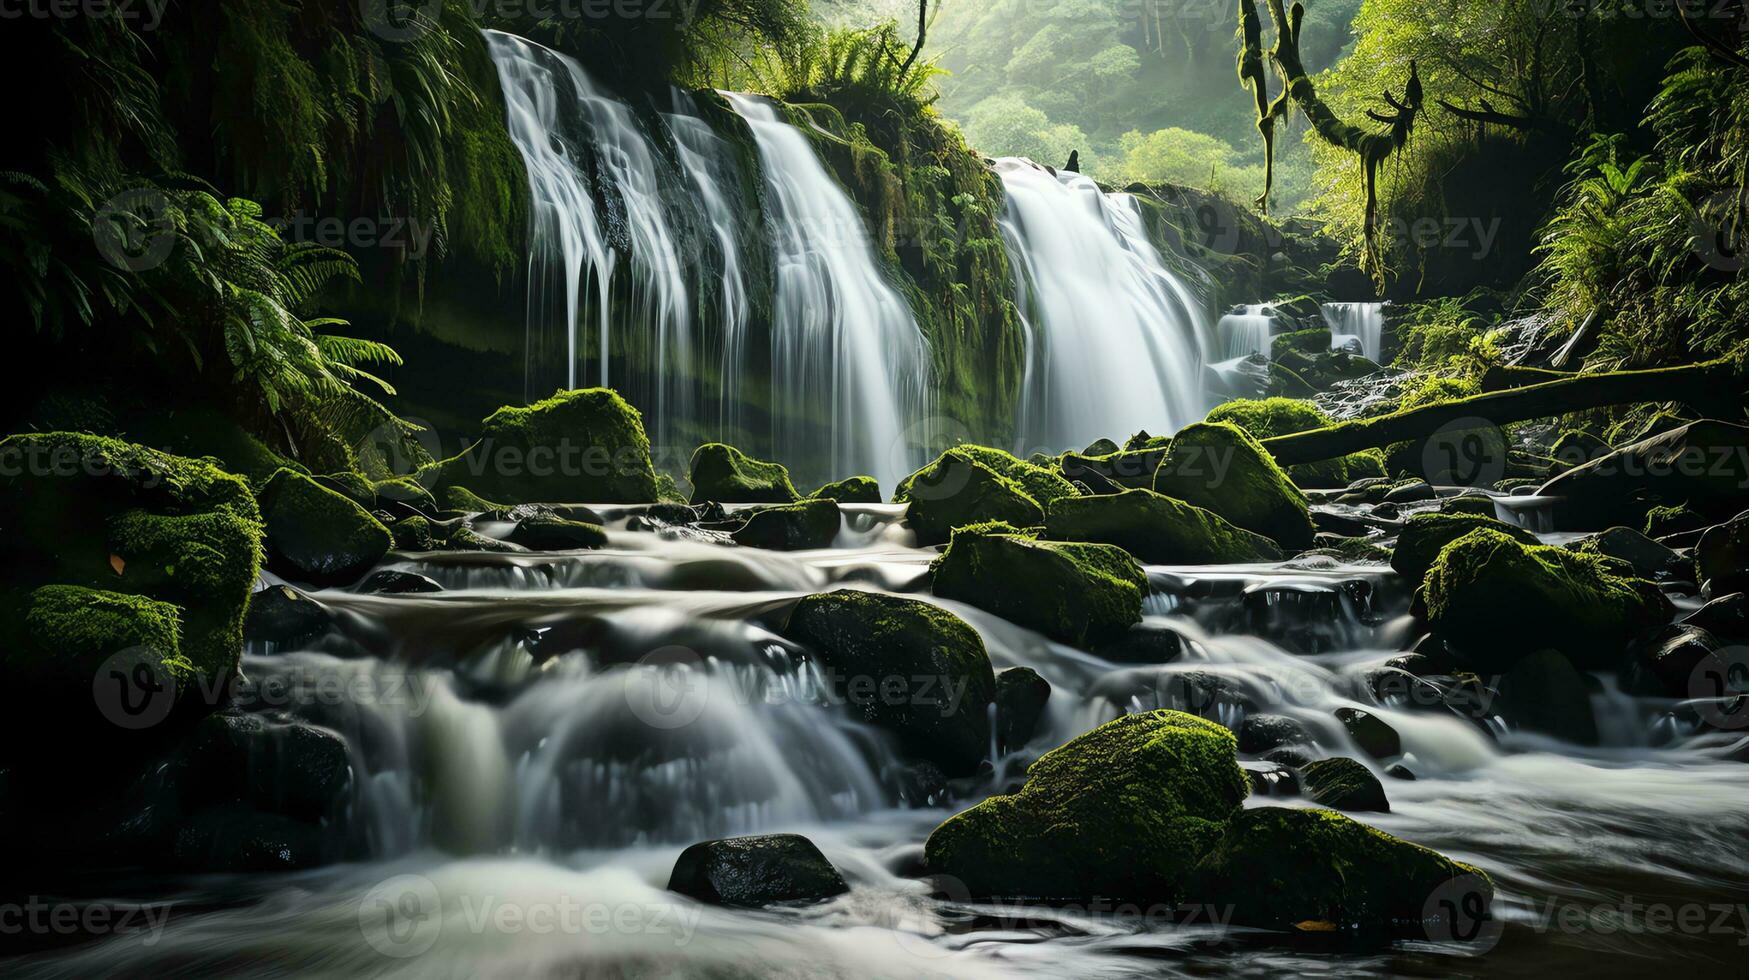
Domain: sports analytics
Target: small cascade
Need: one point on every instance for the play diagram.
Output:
(849, 368)
(1247, 333)
(1363, 321)
(1115, 340)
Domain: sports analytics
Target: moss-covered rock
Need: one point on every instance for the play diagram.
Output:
(413, 534)
(851, 490)
(1220, 467)
(1424, 536)
(1648, 558)
(1040, 483)
(751, 872)
(550, 532)
(581, 446)
(1671, 519)
(1081, 594)
(466, 501)
(1157, 529)
(1343, 784)
(1318, 870)
(957, 490)
(316, 535)
(58, 637)
(1130, 469)
(1703, 465)
(1122, 812)
(865, 638)
(791, 527)
(120, 518)
(1495, 599)
(1266, 418)
(726, 475)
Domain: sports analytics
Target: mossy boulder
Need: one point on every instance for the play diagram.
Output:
(1266, 418)
(1080, 594)
(550, 532)
(1317, 870)
(317, 535)
(1703, 465)
(1122, 812)
(1495, 599)
(791, 527)
(750, 872)
(1041, 484)
(1157, 529)
(863, 639)
(852, 490)
(581, 446)
(1220, 467)
(1130, 469)
(956, 490)
(413, 534)
(1343, 784)
(59, 636)
(119, 518)
(1424, 536)
(725, 475)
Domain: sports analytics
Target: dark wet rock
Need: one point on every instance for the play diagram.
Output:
(1101, 447)
(1668, 661)
(792, 527)
(395, 582)
(413, 534)
(1551, 597)
(1286, 868)
(281, 615)
(1424, 536)
(1648, 558)
(316, 535)
(1726, 617)
(1292, 756)
(1144, 643)
(1703, 464)
(1722, 556)
(670, 513)
(1411, 493)
(1400, 771)
(1261, 733)
(1386, 511)
(1021, 696)
(1393, 687)
(1476, 504)
(1128, 470)
(725, 475)
(586, 445)
(1271, 779)
(853, 490)
(1334, 523)
(1203, 693)
(1157, 529)
(920, 784)
(289, 769)
(236, 838)
(547, 532)
(1122, 812)
(751, 872)
(1374, 737)
(1344, 784)
(467, 539)
(866, 638)
(957, 491)
(1545, 693)
(1220, 467)
(1302, 615)
(1081, 594)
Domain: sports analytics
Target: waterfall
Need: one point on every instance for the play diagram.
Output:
(846, 354)
(1247, 333)
(1114, 339)
(1365, 321)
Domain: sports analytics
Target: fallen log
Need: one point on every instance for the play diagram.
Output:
(1501, 377)
(1712, 388)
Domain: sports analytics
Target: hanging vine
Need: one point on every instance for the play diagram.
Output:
(1371, 147)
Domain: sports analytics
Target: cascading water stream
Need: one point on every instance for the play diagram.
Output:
(1364, 322)
(842, 338)
(1114, 338)
(1247, 333)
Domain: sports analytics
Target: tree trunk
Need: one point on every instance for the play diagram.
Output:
(1712, 387)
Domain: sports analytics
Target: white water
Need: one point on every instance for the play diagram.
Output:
(1243, 334)
(850, 371)
(1364, 321)
(1115, 341)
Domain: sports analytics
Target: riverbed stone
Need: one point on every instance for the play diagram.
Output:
(851, 490)
(723, 474)
(946, 684)
(1374, 736)
(1259, 733)
(585, 445)
(1343, 784)
(1703, 465)
(1021, 695)
(1220, 467)
(1545, 693)
(956, 490)
(1722, 556)
(1081, 594)
(1666, 662)
(1423, 536)
(283, 616)
(1648, 558)
(1043, 484)
(394, 581)
(751, 872)
(550, 532)
(801, 526)
(1157, 529)
(1122, 812)
(1495, 599)
(316, 535)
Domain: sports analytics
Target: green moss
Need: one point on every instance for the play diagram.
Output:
(1157, 529)
(413, 534)
(1343, 784)
(1309, 342)
(667, 491)
(405, 489)
(89, 511)
(316, 535)
(463, 499)
(791, 527)
(864, 638)
(1220, 467)
(582, 446)
(1267, 418)
(1496, 599)
(1672, 519)
(1132, 468)
(1081, 594)
(60, 635)
(1424, 536)
(1469, 506)
(724, 474)
(852, 490)
(1037, 482)
(1122, 812)
(957, 490)
(1280, 868)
